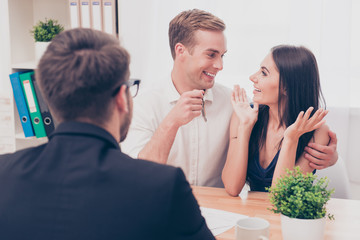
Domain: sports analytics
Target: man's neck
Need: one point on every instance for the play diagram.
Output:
(109, 126)
(180, 81)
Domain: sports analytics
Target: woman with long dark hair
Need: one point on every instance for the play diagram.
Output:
(270, 135)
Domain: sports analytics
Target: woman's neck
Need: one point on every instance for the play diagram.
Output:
(274, 120)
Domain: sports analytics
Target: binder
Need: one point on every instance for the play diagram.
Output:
(96, 15)
(21, 105)
(32, 104)
(74, 13)
(47, 118)
(85, 13)
(109, 17)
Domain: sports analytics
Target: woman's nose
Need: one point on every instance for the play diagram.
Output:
(253, 78)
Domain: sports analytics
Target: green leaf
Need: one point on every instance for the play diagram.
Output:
(46, 31)
(299, 195)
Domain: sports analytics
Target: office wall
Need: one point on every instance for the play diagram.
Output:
(7, 138)
(331, 29)
(4, 49)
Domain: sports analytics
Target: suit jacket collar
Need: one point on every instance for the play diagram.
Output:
(85, 129)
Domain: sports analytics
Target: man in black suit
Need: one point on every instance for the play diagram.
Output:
(80, 185)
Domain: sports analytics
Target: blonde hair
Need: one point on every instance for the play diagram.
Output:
(184, 25)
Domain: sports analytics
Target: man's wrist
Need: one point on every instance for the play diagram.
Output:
(170, 124)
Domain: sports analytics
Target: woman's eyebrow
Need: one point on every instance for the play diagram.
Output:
(264, 68)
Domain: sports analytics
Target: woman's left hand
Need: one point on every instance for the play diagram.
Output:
(246, 114)
(304, 123)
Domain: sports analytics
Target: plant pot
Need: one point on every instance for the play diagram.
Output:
(300, 229)
(40, 48)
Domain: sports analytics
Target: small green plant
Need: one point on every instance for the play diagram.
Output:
(300, 196)
(47, 30)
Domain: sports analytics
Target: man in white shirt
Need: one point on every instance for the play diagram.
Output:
(186, 122)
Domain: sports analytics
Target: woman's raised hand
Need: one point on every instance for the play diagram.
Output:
(245, 113)
(304, 123)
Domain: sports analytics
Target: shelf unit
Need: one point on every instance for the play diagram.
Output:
(23, 14)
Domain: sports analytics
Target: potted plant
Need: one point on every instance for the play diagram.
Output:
(43, 32)
(301, 199)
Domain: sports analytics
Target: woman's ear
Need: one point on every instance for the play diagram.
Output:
(283, 91)
(121, 99)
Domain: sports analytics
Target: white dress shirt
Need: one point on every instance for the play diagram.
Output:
(200, 147)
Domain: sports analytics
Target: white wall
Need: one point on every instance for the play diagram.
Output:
(330, 28)
(253, 27)
(4, 49)
(7, 138)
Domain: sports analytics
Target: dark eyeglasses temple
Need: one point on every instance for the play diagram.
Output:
(129, 83)
(134, 82)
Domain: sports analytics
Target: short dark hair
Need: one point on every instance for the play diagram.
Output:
(182, 28)
(299, 89)
(79, 71)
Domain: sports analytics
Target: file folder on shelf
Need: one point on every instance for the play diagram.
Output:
(32, 104)
(109, 17)
(21, 104)
(47, 118)
(96, 15)
(74, 13)
(85, 13)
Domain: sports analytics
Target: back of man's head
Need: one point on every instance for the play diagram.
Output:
(79, 72)
(182, 28)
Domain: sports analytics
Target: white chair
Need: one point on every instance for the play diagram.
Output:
(338, 179)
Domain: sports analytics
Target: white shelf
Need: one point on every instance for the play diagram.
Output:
(25, 65)
(23, 14)
(21, 136)
(22, 142)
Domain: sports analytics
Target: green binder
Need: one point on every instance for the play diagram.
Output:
(32, 104)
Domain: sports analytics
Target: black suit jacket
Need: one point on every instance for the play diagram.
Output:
(80, 185)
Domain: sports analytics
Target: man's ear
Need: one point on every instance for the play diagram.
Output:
(121, 99)
(179, 49)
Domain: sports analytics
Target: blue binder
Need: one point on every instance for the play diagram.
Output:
(21, 104)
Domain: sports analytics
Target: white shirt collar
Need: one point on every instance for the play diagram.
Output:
(173, 95)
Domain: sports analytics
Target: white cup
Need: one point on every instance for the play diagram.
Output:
(252, 228)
